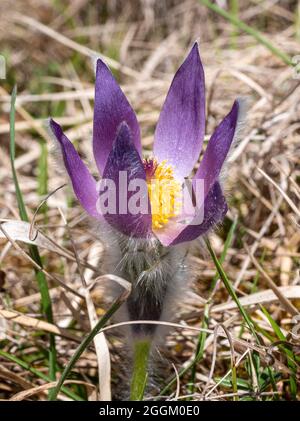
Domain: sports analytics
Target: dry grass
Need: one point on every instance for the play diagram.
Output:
(47, 45)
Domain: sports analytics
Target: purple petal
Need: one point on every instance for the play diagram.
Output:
(217, 149)
(124, 157)
(84, 185)
(215, 208)
(110, 109)
(181, 126)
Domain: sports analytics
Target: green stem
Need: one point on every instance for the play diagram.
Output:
(231, 290)
(140, 369)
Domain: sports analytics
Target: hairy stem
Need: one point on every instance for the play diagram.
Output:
(140, 369)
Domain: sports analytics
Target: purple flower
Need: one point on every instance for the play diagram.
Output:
(177, 145)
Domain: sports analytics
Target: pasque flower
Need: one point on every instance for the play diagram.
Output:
(178, 143)
(149, 249)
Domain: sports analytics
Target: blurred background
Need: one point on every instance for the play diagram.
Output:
(249, 48)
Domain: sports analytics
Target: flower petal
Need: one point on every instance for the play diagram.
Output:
(217, 149)
(125, 158)
(180, 130)
(215, 208)
(84, 185)
(110, 109)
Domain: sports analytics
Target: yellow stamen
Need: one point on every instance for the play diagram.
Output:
(163, 190)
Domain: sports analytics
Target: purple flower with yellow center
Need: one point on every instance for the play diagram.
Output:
(178, 143)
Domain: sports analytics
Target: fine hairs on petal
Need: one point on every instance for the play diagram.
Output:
(68, 162)
(94, 59)
(56, 152)
(241, 122)
(238, 135)
(57, 159)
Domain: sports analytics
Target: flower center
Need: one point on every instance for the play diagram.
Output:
(163, 191)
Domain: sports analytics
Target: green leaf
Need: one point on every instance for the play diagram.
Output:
(37, 373)
(86, 342)
(230, 290)
(46, 305)
(291, 362)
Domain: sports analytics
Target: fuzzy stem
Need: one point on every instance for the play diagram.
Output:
(140, 369)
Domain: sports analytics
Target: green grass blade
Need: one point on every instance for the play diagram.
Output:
(231, 291)
(86, 342)
(200, 347)
(37, 373)
(273, 383)
(289, 353)
(227, 244)
(234, 382)
(249, 30)
(203, 335)
(297, 22)
(43, 175)
(43, 170)
(46, 306)
(234, 8)
(22, 209)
